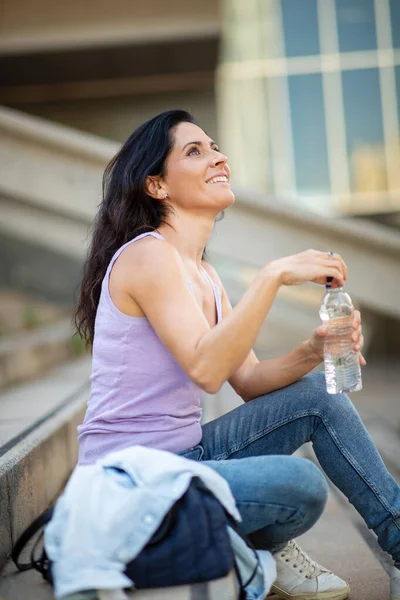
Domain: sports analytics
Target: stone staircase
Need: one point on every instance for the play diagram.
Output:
(34, 336)
(43, 383)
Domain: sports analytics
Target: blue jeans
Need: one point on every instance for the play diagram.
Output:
(280, 497)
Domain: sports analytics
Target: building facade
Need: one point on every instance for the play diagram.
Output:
(309, 100)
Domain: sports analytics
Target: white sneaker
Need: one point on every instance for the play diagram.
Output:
(300, 578)
(395, 584)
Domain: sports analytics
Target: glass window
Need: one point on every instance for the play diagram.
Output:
(309, 134)
(300, 26)
(356, 25)
(397, 70)
(395, 22)
(364, 129)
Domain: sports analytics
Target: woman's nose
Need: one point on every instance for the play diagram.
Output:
(219, 159)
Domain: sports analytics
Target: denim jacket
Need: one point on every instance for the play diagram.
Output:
(110, 510)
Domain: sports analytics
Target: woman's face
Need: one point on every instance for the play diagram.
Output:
(196, 173)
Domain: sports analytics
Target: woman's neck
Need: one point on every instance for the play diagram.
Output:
(189, 234)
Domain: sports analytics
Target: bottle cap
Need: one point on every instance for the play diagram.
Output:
(328, 282)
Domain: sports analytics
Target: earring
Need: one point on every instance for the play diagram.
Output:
(165, 196)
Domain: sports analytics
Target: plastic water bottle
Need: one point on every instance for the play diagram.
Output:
(342, 364)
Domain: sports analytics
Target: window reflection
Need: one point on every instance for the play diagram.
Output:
(397, 71)
(395, 22)
(309, 135)
(356, 25)
(364, 130)
(300, 25)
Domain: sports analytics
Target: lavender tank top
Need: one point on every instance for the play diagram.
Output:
(139, 393)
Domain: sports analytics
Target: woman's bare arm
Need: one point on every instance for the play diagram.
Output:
(255, 378)
(154, 277)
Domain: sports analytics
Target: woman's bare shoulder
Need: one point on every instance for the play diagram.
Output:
(147, 257)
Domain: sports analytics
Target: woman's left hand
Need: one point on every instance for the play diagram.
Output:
(316, 341)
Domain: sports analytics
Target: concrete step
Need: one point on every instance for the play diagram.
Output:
(35, 335)
(336, 543)
(341, 542)
(25, 355)
(21, 586)
(20, 311)
(38, 446)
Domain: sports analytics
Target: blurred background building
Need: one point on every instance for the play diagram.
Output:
(303, 96)
(313, 88)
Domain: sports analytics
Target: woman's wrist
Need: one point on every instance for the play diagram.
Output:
(272, 273)
(311, 353)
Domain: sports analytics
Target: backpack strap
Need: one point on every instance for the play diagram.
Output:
(25, 537)
(243, 586)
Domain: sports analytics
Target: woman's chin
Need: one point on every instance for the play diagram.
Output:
(222, 193)
(218, 201)
(229, 198)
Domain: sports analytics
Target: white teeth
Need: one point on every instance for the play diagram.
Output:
(222, 179)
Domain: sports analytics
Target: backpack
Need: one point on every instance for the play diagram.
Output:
(191, 545)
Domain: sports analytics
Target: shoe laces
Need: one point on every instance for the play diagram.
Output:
(294, 554)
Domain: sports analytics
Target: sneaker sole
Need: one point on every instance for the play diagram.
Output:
(333, 595)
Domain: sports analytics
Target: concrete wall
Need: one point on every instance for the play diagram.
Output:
(28, 26)
(116, 118)
(28, 267)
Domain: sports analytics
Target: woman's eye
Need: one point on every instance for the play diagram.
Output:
(193, 150)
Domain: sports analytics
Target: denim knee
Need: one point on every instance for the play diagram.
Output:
(318, 398)
(313, 495)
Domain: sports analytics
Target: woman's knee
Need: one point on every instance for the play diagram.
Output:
(311, 496)
(306, 491)
(302, 484)
(318, 398)
(311, 491)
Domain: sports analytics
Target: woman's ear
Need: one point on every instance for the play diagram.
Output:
(154, 188)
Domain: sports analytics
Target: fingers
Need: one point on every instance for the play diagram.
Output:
(321, 331)
(339, 264)
(357, 336)
(359, 344)
(336, 273)
(356, 319)
(338, 261)
(329, 266)
(363, 362)
(326, 266)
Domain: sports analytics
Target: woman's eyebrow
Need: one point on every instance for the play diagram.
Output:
(212, 143)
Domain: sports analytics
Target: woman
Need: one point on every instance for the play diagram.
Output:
(163, 330)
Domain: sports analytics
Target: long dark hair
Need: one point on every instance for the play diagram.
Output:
(126, 209)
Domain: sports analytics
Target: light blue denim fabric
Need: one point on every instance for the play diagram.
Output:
(279, 496)
(110, 510)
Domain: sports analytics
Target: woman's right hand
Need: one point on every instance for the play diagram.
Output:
(310, 265)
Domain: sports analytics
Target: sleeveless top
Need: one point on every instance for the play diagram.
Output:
(139, 393)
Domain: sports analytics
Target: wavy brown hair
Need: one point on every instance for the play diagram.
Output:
(126, 210)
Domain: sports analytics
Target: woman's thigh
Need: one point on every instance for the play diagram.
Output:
(277, 423)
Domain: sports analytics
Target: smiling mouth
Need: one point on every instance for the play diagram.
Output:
(221, 179)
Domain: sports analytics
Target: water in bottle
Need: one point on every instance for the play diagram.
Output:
(342, 364)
